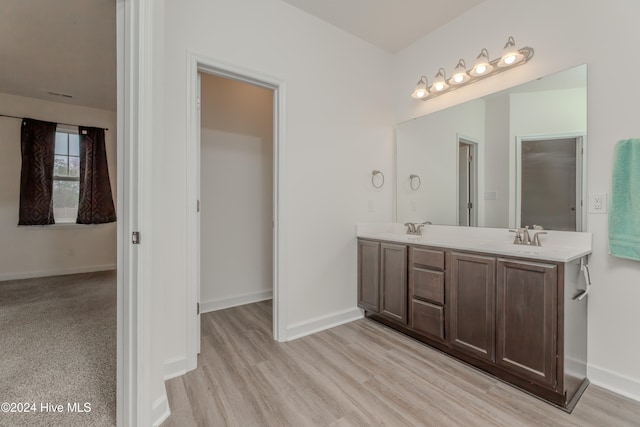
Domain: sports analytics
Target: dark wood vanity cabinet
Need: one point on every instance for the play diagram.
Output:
(526, 320)
(427, 292)
(369, 275)
(473, 305)
(393, 282)
(382, 279)
(505, 311)
(504, 315)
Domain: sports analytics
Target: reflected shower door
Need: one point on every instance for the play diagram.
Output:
(550, 180)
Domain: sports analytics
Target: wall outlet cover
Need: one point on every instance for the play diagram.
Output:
(597, 203)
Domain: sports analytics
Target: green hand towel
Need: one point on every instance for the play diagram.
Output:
(624, 204)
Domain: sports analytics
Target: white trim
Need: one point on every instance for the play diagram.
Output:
(135, 53)
(57, 272)
(122, 379)
(476, 189)
(175, 367)
(160, 411)
(199, 63)
(228, 302)
(615, 382)
(317, 324)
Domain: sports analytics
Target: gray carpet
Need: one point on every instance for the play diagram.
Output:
(58, 346)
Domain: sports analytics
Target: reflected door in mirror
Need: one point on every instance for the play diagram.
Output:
(551, 183)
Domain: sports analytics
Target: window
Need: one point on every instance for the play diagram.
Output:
(66, 175)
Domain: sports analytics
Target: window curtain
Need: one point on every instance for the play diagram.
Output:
(37, 143)
(95, 205)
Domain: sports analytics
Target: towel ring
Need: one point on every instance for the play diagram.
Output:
(373, 175)
(411, 178)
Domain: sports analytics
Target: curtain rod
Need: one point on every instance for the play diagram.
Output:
(66, 124)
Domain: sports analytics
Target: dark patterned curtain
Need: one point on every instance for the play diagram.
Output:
(37, 142)
(96, 202)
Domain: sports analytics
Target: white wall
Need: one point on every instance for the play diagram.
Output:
(338, 128)
(49, 250)
(237, 192)
(497, 160)
(563, 34)
(428, 147)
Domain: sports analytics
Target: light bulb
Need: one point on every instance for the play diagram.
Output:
(480, 69)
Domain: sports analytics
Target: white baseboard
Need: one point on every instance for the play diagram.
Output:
(160, 410)
(308, 327)
(615, 382)
(57, 272)
(175, 367)
(222, 303)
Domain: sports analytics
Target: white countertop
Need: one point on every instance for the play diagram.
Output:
(559, 246)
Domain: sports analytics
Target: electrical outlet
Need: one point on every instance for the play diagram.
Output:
(598, 203)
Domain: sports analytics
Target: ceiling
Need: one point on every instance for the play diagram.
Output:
(66, 47)
(65, 50)
(391, 25)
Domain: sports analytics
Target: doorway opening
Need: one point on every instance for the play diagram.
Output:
(236, 197)
(241, 186)
(467, 183)
(550, 182)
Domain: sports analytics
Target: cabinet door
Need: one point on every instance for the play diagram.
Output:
(393, 282)
(473, 305)
(527, 319)
(369, 275)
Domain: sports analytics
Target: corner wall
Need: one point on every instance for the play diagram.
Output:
(563, 34)
(37, 251)
(338, 127)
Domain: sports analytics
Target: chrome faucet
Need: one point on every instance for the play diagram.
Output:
(415, 229)
(523, 237)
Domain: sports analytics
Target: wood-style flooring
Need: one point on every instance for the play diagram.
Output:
(358, 374)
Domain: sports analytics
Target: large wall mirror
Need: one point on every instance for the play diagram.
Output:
(514, 158)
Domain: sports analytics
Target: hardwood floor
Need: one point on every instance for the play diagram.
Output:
(358, 374)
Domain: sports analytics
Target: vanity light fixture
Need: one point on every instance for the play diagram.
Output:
(482, 68)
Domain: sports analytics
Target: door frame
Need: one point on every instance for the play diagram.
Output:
(474, 174)
(581, 174)
(135, 40)
(197, 63)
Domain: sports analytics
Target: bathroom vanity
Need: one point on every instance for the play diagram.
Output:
(509, 310)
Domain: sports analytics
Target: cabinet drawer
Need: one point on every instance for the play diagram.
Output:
(427, 319)
(428, 284)
(427, 258)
